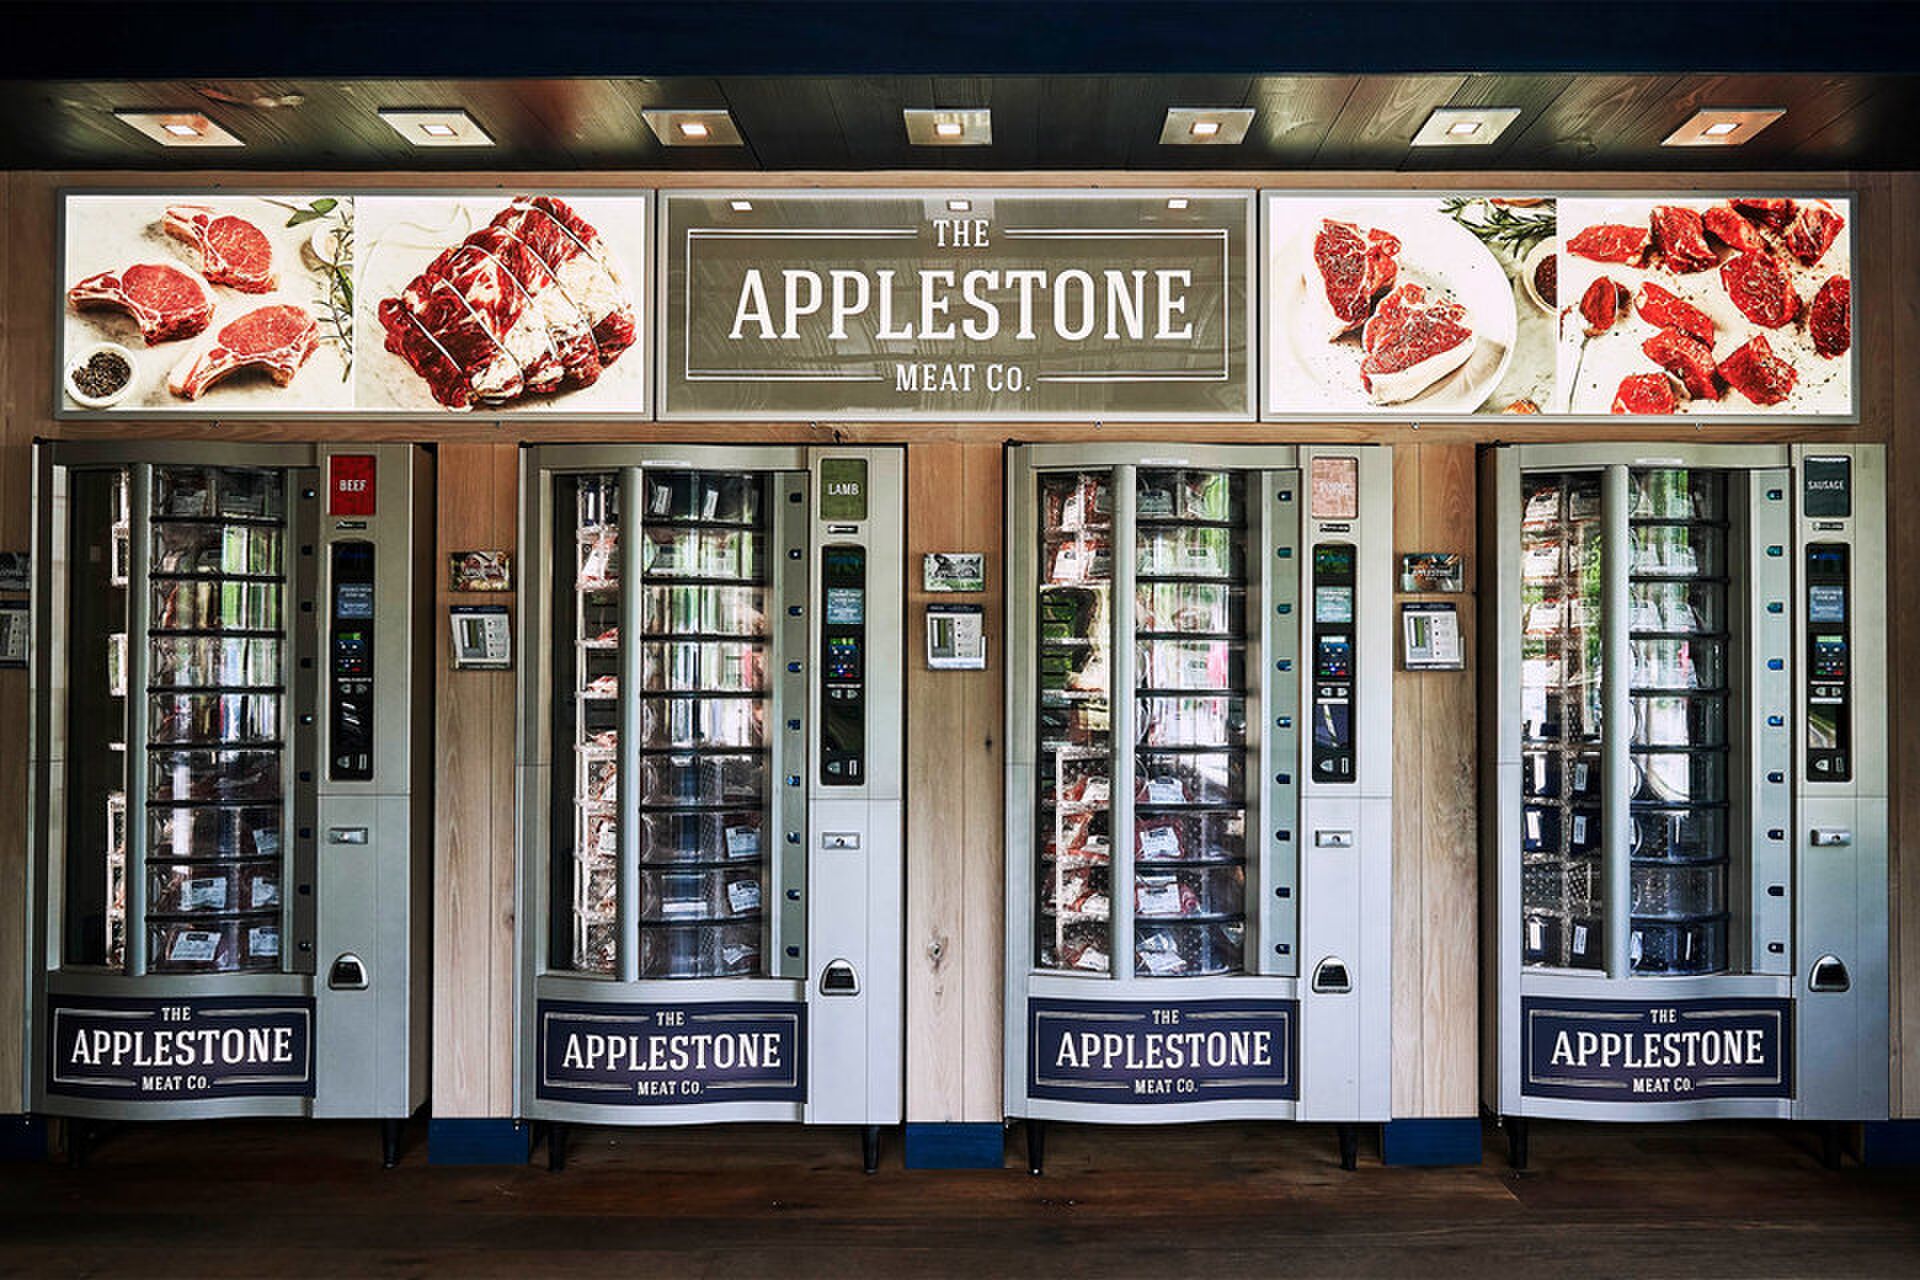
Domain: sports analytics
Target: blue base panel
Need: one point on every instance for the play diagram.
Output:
(1424, 1141)
(1890, 1143)
(955, 1146)
(478, 1140)
(23, 1137)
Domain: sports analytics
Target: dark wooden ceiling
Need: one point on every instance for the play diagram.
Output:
(1567, 121)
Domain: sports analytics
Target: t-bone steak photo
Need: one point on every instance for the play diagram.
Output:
(167, 302)
(228, 250)
(1412, 343)
(277, 338)
(533, 302)
(1350, 268)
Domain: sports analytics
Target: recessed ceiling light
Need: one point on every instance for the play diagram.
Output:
(178, 128)
(959, 206)
(1205, 126)
(1722, 126)
(435, 126)
(1178, 202)
(692, 127)
(740, 206)
(943, 127)
(1465, 126)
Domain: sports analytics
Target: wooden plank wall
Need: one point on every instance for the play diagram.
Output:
(954, 734)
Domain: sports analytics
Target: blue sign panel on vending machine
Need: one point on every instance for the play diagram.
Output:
(1658, 1050)
(180, 1048)
(1162, 1051)
(672, 1055)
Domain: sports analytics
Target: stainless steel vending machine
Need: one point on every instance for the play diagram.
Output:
(1199, 782)
(231, 804)
(1686, 828)
(710, 787)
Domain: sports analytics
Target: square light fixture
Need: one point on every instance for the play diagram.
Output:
(699, 127)
(1722, 126)
(435, 126)
(1465, 126)
(178, 128)
(940, 127)
(1205, 126)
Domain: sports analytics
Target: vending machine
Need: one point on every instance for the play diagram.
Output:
(1686, 828)
(710, 786)
(231, 805)
(1199, 782)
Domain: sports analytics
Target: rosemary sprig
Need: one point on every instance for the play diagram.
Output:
(337, 304)
(1501, 226)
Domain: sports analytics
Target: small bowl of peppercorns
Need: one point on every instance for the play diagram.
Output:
(99, 376)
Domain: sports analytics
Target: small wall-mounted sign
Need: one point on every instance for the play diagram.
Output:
(13, 635)
(956, 637)
(1423, 571)
(954, 571)
(482, 637)
(1430, 637)
(14, 566)
(480, 571)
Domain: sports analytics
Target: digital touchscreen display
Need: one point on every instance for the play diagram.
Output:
(1826, 604)
(846, 606)
(1333, 604)
(353, 600)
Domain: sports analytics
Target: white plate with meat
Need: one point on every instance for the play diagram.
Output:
(1384, 306)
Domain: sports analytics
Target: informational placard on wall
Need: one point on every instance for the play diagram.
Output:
(1584, 307)
(941, 304)
(220, 304)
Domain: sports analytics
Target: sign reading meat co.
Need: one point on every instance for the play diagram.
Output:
(672, 1055)
(171, 1049)
(940, 304)
(1658, 1051)
(1162, 1051)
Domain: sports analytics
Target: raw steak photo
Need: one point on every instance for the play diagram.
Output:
(1645, 393)
(531, 304)
(1686, 359)
(1614, 243)
(1811, 233)
(227, 249)
(276, 339)
(1756, 373)
(1830, 318)
(1759, 285)
(1350, 269)
(1411, 344)
(1768, 211)
(1682, 239)
(167, 302)
(1727, 225)
(1658, 307)
(1601, 304)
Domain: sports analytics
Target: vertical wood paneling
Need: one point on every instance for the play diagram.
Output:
(1409, 820)
(982, 870)
(503, 495)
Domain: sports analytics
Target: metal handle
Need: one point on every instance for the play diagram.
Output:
(840, 840)
(346, 835)
(1333, 839)
(1830, 837)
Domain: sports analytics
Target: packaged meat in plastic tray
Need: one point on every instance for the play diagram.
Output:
(1189, 606)
(1080, 894)
(213, 775)
(706, 666)
(711, 610)
(1678, 890)
(217, 548)
(199, 661)
(699, 895)
(594, 944)
(224, 491)
(596, 887)
(1189, 778)
(1083, 946)
(1190, 664)
(668, 838)
(599, 560)
(1187, 553)
(1083, 501)
(1082, 839)
(1162, 950)
(599, 780)
(223, 718)
(1083, 559)
(703, 722)
(214, 946)
(212, 888)
(599, 834)
(1698, 946)
(726, 554)
(703, 779)
(700, 951)
(1190, 837)
(185, 605)
(251, 831)
(696, 495)
(1210, 891)
(1191, 721)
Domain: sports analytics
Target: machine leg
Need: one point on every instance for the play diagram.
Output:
(1516, 1127)
(77, 1136)
(390, 1131)
(556, 1147)
(870, 1148)
(1036, 1146)
(1349, 1146)
(1832, 1143)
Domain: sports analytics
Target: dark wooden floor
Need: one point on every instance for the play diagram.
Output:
(1225, 1201)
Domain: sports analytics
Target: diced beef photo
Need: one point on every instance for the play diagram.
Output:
(1830, 318)
(1602, 304)
(166, 301)
(1812, 232)
(1725, 224)
(1759, 285)
(1685, 358)
(1756, 373)
(1351, 267)
(1682, 239)
(1612, 242)
(1768, 211)
(1645, 393)
(1412, 343)
(1665, 310)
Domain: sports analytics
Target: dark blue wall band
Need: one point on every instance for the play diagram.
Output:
(478, 1140)
(1431, 1141)
(955, 1146)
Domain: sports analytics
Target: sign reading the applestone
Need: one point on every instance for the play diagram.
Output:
(1009, 305)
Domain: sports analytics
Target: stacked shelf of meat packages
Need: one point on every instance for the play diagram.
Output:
(596, 792)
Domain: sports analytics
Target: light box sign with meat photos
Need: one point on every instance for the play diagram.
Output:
(1581, 307)
(971, 304)
(225, 304)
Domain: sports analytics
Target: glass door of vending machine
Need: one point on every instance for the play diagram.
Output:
(1199, 785)
(206, 651)
(1688, 839)
(711, 787)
